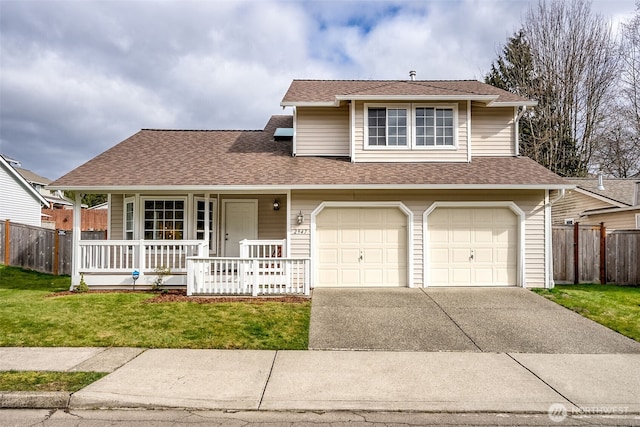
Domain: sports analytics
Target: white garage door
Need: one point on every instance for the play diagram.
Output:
(472, 247)
(361, 247)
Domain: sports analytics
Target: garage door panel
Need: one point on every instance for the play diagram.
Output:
(484, 255)
(349, 236)
(370, 243)
(489, 234)
(483, 236)
(372, 236)
(372, 256)
(328, 256)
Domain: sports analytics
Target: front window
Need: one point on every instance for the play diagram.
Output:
(387, 126)
(128, 219)
(434, 127)
(164, 219)
(413, 126)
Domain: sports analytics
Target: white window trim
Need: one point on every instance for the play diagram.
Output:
(453, 107)
(213, 215)
(638, 221)
(127, 200)
(187, 212)
(411, 127)
(387, 147)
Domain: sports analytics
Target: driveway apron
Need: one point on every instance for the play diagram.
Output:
(501, 320)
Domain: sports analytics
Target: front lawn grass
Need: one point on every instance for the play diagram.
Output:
(29, 316)
(616, 307)
(47, 381)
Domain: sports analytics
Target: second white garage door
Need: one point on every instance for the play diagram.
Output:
(361, 247)
(472, 247)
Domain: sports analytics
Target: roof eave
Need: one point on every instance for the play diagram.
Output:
(489, 100)
(284, 188)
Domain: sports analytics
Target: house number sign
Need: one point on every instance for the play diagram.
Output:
(300, 231)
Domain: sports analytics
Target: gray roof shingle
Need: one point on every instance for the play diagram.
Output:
(326, 91)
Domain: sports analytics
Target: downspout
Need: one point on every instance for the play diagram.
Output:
(548, 243)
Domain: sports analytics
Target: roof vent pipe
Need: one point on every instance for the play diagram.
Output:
(600, 181)
(412, 75)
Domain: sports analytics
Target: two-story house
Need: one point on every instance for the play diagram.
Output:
(368, 183)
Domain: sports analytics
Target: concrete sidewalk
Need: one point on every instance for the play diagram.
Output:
(348, 380)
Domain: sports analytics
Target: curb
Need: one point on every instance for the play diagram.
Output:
(35, 400)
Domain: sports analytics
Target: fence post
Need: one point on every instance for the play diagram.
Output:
(576, 252)
(603, 254)
(7, 246)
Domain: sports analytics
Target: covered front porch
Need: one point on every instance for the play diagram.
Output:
(210, 244)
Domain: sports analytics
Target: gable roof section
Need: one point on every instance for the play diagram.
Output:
(252, 160)
(331, 92)
(32, 177)
(618, 191)
(23, 182)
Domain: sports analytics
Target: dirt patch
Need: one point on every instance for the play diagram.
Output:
(181, 296)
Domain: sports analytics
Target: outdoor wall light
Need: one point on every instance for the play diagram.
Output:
(300, 218)
(276, 205)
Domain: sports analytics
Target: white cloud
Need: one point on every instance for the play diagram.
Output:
(76, 77)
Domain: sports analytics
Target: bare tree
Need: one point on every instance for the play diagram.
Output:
(575, 64)
(619, 151)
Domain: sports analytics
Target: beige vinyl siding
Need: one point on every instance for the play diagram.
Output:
(572, 205)
(271, 224)
(322, 131)
(116, 228)
(492, 131)
(625, 220)
(531, 202)
(363, 154)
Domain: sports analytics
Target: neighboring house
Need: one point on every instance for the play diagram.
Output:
(369, 183)
(613, 201)
(58, 214)
(19, 201)
(56, 199)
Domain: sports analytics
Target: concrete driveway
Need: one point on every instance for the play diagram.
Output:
(500, 320)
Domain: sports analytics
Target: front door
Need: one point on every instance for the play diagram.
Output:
(240, 222)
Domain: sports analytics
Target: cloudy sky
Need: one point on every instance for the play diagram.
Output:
(77, 77)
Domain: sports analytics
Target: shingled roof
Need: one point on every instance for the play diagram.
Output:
(326, 92)
(252, 159)
(621, 190)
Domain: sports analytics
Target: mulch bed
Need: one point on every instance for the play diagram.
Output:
(181, 296)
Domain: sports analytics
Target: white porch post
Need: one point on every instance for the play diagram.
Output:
(207, 231)
(77, 232)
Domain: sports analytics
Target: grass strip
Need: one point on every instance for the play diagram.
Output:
(616, 307)
(46, 381)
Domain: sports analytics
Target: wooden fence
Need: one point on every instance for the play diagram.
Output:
(40, 249)
(588, 254)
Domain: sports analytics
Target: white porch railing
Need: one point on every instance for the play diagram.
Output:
(123, 256)
(263, 248)
(243, 276)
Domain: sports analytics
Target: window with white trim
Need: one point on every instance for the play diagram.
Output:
(387, 126)
(129, 219)
(164, 219)
(416, 126)
(199, 221)
(434, 127)
(638, 221)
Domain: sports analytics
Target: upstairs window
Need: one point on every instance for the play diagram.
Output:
(434, 127)
(387, 127)
(411, 126)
